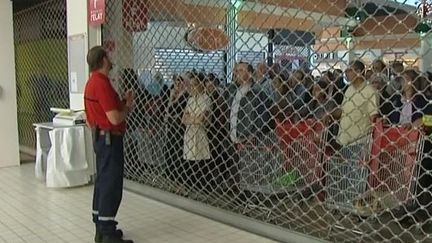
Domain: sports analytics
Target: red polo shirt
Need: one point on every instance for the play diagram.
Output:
(99, 98)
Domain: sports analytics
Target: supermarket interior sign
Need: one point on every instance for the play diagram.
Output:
(96, 12)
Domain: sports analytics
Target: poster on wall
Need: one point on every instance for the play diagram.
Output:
(76, 67)
(96, 12)
(135, 15)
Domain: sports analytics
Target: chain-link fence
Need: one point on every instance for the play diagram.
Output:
(307, 115)
(41, 65)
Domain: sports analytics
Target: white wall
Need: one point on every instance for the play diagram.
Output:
(158, 35)
(252, 41)
(165, 35)
(77, 24)
(9, 146)
(425, 53)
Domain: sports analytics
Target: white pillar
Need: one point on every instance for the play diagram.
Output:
(231, 29)
(350, 41)
(123, 53)
(77, 25)
(9, 145)
(426, 52)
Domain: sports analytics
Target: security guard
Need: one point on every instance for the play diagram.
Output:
(106, 115)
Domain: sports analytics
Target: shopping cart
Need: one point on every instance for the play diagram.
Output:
(303, 144)
(261, 162)
(346, 182)
(380, 173)
(395, 156)
(347, 175)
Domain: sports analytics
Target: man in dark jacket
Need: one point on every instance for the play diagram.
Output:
(246, 116)
(248, 106)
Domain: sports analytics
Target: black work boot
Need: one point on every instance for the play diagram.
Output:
(98, 236)
(114, 239)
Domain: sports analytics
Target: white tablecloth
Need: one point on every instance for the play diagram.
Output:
(66, 159)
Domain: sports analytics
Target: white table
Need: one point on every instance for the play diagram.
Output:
(64, 155)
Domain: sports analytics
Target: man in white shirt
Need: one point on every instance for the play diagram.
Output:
(358, 111)
(244, 80)
(235, 108)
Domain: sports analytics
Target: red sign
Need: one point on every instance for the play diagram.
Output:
(96, 12)
(135, 15)
(207, 39)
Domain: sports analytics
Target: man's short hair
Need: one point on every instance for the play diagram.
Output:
(212, 77)
(262, 64)
(382, 78)
(381, 62)
(419, 81)
(303, 75)
(324, 85)
(397, 64)
(329, 74)
(358, 66)
(284, 75)
(250, 68)
(95, 58)
(199, 76)
(337, 72)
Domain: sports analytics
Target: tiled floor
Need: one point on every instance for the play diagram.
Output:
(30, 212)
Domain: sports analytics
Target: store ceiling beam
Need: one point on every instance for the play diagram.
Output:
(211, 16)
(407, 41)
(258, 16)
(387, 25)
(372, 38)
(325, 7)
(296, 9)
(209, 3)
(190, 12)
(387, 3)
(322, 19)
(264, 21)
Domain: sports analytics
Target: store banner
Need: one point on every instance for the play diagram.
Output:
(135, 15)
(96, 12)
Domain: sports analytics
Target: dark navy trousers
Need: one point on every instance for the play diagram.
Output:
(108, 188)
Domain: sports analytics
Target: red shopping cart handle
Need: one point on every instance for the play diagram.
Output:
(288, 131)
(390, 138)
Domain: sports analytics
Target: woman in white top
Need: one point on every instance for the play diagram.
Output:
(196, 143)
(414, 101)
(415, 104)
